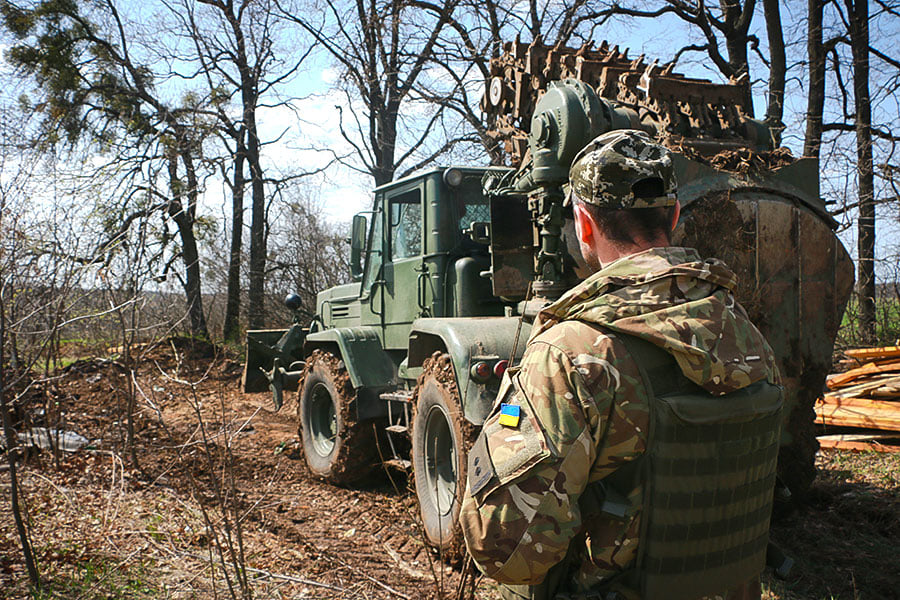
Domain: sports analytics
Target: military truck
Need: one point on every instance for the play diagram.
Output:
(448, 269)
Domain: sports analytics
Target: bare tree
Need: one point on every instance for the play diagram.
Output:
(93, 89)
(815, 97)
(858, 14)
(239, 53)
(383, 49)
(863, 80)
(310, 254)
(40, 282)
(12, 454)
(8, 251)
(777, 66)
(245, 55)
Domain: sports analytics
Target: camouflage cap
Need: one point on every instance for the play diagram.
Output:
(605, 171)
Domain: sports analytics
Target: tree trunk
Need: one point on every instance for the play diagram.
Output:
(190, 257)
(256, 311)
(233, 296)
(12, 455)
(858, 12)
(189, 249)
(737, 20)
(815, 99)
(386, 144)
(736, 44)
(777, 68)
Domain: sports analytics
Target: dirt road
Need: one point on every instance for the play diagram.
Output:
(202, 446)
(220, 480)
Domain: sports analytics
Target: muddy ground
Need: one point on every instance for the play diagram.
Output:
(220, 480)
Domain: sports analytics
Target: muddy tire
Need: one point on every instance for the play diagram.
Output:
(336, 447)
(441, 438)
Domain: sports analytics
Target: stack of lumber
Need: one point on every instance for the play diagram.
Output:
(866, 397)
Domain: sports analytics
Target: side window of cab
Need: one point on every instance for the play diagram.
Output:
(406, 225)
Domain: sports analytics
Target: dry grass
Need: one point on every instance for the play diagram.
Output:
(846, 542)
(104, 530)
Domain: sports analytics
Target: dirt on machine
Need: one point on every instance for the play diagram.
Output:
(402, 365)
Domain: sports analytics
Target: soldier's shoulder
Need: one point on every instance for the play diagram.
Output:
(574, 338)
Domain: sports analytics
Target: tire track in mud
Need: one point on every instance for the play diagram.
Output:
(361, 540)
(369, 530)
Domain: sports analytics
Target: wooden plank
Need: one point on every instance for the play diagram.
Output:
(871, 353)
(853, 363)
(884, 438)
(842, 418)
(872, 368)
(886, 406)
(872, 384)
(868, 414)
(872, 446)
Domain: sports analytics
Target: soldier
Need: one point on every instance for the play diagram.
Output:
(651, 356)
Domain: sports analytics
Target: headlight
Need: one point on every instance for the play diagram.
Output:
(453, 177)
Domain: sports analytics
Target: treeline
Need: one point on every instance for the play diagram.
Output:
(139, 151)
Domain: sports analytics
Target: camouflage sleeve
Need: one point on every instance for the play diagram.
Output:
(525, 477)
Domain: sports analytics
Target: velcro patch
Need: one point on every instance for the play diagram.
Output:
(509, 415)
(481, 469)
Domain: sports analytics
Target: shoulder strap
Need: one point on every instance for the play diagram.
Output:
(654, 365)
(660, 373)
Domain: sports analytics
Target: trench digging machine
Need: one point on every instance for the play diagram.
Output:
(402, 365)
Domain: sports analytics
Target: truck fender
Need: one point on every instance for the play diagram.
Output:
(468, 340)
(370, 368)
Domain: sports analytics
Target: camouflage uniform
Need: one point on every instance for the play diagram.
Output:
(584, 413)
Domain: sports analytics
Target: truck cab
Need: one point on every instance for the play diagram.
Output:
(405, 361)
(419, 258)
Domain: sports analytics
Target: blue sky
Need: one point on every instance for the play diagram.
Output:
(311, 122)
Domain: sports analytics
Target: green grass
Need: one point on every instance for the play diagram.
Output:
(62, 362)
(887, 323)
(97, 578)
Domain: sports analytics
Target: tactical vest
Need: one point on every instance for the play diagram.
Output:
(708, 477)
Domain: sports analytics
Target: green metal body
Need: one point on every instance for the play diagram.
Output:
(469, 340)
(421, 289)
(447, 263)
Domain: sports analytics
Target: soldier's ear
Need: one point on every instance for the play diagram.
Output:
(584, 225)
(676, 213)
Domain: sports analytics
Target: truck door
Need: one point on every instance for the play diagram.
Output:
(403, 273)
(371, 294)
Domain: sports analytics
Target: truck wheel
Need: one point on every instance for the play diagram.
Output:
(441, 438)
(337, 448)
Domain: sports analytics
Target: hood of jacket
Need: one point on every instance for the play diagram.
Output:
(683, 304)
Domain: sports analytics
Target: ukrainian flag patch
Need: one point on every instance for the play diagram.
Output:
(509, 415)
